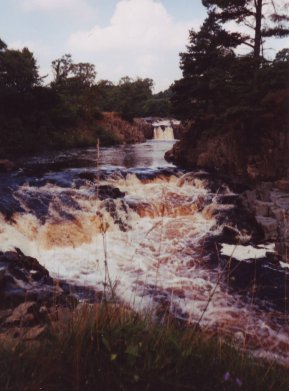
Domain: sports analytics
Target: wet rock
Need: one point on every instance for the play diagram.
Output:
(269, 226)
(106, 191)
(24, 281)
(230, 234)
(262, 208)
(89, 176)
(277, 213)
(259, 278)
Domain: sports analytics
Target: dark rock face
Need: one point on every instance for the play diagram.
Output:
(21, 278)
(261, 279)
(264, 157)
(30, 299)
(270, 206)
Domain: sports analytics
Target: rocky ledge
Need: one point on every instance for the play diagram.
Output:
(30, 299)
(270, 203)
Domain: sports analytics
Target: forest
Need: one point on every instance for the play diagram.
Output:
(63, 113)
(234, 92)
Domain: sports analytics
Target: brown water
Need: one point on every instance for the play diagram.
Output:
(151, 236)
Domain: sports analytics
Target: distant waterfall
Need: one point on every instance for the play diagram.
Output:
(164, 132)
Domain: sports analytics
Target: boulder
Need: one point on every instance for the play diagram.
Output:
(269, 227)
(262, 208)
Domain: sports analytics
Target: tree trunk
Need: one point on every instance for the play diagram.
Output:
(258, 27)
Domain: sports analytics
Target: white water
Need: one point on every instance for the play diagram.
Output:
(166, 134)
(152, 240)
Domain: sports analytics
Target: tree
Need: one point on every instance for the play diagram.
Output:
(206, 69)
(3, 45)
(84, 72)
(18, 69)
(61, 68)
(132, 96)
(265, 18)
(65, 69)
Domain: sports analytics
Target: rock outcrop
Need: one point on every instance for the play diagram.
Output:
(29, 298)
(270, 204)
(264, 157)
(123, 131)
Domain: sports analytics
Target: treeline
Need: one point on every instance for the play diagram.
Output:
(223, 91)
(65, 113)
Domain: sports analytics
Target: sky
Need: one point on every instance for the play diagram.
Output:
(138, 38)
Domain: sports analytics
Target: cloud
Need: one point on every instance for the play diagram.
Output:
(141, 39)
(76, 6)
(135, 24)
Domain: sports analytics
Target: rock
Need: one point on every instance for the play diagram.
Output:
(6, 165)
(23, 314)
(277, 213)
(269, 227)
(230, 234)
(106, 191)
(283, 203)
(35, 332)
(89, 176)
(282, 184)
(250, 197)
(262, 208)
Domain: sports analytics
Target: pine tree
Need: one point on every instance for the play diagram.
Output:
(263, 18)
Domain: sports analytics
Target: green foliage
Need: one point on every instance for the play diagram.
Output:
(226, 96)
(65, 113)
(18, 69)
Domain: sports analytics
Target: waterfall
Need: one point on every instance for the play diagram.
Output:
(163, 130)
(166, 134)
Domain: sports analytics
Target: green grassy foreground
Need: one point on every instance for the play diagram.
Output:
(112, 348)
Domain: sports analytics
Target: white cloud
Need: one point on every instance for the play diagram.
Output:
(141, 39)
(135, 24)
(76, 6)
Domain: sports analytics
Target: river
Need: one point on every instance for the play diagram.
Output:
(126, 222)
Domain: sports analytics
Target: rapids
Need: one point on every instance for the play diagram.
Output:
(133, 225)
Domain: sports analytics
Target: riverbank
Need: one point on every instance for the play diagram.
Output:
(51, 341)
(154, 233)
(109, 347)
(110, 129)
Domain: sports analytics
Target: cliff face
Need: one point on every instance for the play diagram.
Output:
(264, 156)
(123, 131)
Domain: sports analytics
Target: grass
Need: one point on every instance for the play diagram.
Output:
(109, 347)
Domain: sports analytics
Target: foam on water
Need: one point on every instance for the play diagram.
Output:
(152, 241)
